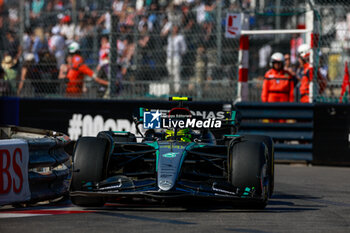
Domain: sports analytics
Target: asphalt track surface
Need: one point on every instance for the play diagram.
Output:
(306, 199)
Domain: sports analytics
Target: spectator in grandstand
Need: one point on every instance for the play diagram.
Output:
(153, 18)
(189, 23)
(29, 74)
(81, 30)
(7, 65)
(125, 49)
(209, 18)
(48, 72)
(67, 28)
(49, 15)
(39, 43)
(4, 86)
(36, 8)
(13, 47)
(104, 49)
(323, 66)
(118, 6)
(77, 72)
(196, 82)
(130, 16)
(62, 74)
(58, 5)
(295, 42)
(103, 73)
(13, 14)
(199, 8)
(2, 32)
(190, 29)
(299, 74)
(57, 46)
(26, 43)
(288, 65)
(64, 68)
(264, 57)
(166, 26)
(86, 39)
(278, 85)
(143, 23)
(105, 21)
(174, 13)
(145, 48)
(176, 48)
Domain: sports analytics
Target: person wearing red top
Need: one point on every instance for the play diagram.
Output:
(77, 71)
(305, 84)
(304, 52)
(278, 85)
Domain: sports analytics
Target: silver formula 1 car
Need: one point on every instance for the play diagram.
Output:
(177, 158)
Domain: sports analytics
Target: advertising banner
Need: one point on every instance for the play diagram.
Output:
(233, 25)
(14, 157)
(78, 118)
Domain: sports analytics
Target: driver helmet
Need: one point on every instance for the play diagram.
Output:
(184, 135)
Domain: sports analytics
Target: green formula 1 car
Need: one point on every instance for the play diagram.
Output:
(177, 156)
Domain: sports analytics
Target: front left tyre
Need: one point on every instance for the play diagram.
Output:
(88, 163)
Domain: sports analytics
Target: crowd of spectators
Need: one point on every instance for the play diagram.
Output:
(163, 40)
(157, 35)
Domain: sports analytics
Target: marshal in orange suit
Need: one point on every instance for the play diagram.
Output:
(278, 85)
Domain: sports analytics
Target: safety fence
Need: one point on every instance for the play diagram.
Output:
(48, 171)
(209, 90)
(137, 36)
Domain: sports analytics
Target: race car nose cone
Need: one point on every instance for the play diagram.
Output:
(165, 185)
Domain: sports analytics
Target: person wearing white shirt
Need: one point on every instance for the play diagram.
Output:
(176, 48)
(57, 45)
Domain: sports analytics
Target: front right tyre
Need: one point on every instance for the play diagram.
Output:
(248, 169)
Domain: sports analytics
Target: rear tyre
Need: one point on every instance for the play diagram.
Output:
(248, 169)
(89, 157)
(271, 160)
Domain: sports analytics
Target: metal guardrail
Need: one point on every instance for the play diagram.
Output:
(289, 124)
(49, 167)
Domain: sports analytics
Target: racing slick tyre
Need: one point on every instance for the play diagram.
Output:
(247, 164)
(271, 160)
(89, 157)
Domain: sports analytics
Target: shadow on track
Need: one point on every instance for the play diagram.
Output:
(279, 203)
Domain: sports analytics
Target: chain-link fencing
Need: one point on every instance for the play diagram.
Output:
(153, 49)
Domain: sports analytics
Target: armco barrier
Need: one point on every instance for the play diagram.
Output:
(289, 124)
(48, 169)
